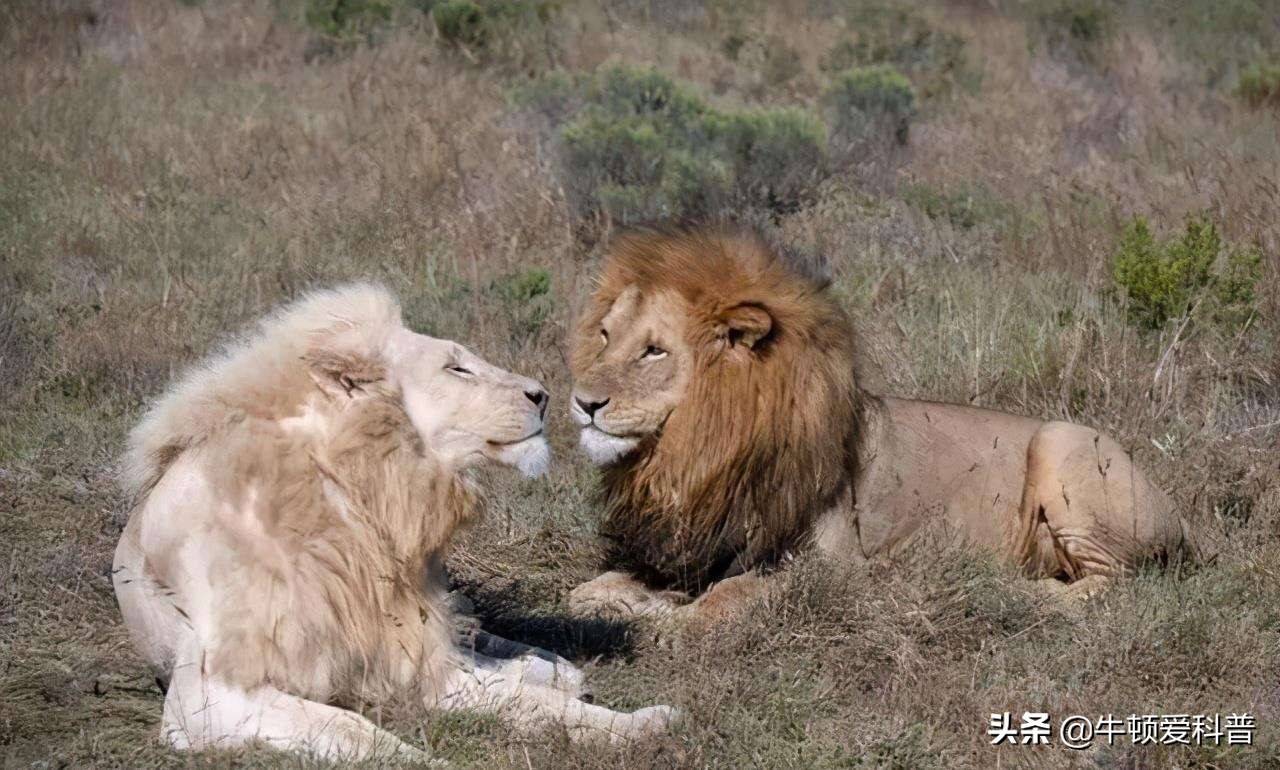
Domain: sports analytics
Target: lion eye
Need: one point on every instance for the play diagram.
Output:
(461, 370)
(604, 335)
(653, 351)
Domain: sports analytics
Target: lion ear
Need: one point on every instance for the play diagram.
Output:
(341, 373)
(746, 325)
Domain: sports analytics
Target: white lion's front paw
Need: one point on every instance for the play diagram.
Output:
(558, 674)
(650, 722)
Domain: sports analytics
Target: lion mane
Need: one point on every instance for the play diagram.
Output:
(760, 447)
(329, 572)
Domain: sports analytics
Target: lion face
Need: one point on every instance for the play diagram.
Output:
(466, 409)
(637, 365)
(717, 383)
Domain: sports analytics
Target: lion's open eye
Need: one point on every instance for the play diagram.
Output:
(461, 371)
(604, 336)
(653, 351)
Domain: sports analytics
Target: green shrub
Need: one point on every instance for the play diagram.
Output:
(510, 31)
(460, 21)
(1259, 85)
(627, 204)
(525, 286)
(346, 19)
(732, 44)
(647, 93)
(775, 156)
(964, 207)
(1167, 280)
(866, 101)
(782, 63)
(1076, 28)
(553, 96)
(900, 36)
(1221, 38)
(694, 184)
(526, 299)
(639, 146)
(626, 151)
(1087, 23)
(489, 26)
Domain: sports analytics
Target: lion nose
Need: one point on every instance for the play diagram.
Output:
(539, 398)
(590, 407)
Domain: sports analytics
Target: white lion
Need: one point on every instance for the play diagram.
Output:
(295, 499)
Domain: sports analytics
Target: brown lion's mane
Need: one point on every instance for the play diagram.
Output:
(762, 443)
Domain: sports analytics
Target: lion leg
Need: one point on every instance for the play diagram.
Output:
(148, 608)
(504, 688)
(1091, 511)
(533, 665)
(1088, 587)
(724, 600)
(202, 711)
(1077, 593)
(620, 595)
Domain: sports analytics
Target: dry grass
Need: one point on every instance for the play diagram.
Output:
(170, 171)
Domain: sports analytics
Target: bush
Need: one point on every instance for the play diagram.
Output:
(554, 96)
(901, 37)
(1259, 85)
(866, 101)
(526, 299)
(637, 145)
(732, 44)
(965, 207)
(1220, 38)
(461, 22)
(647, 93)
(626, 151)
(1088, 23)
(1076, 28)
(1168, 280)
(776, 156)
(514, 31)
(347, 19)
(782, 63)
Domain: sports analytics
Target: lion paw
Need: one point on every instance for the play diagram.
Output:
(618, 595)
(645, 723)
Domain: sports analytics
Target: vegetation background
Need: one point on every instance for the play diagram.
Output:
(1060, 209)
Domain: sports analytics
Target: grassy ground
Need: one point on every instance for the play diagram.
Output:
(169, 171)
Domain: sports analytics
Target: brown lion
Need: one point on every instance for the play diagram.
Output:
(295, 500)
(717, 386)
